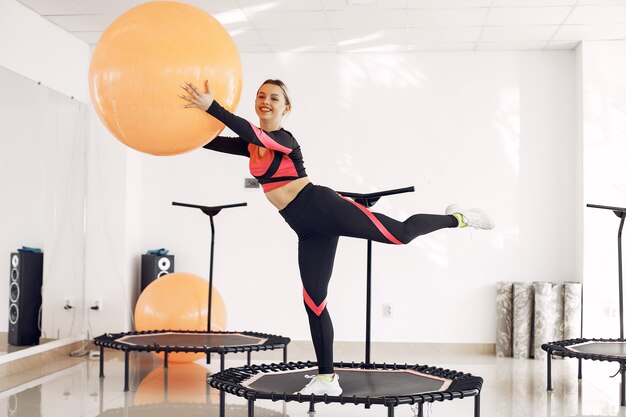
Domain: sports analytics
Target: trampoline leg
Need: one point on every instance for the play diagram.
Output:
(165, 381)
(390, 410)
(222, 393)
(126, 353)
(580, 368)
(420, 410)
(311, 408)
(549, 373)
(249, 358)
(165, 360)
(285, 354)
(477, 405)
(621, 388)
(250, 407)
(101, 362)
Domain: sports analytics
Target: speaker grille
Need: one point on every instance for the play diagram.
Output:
(14, 313)
(14, 292)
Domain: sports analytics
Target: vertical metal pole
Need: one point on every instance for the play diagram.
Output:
(390, 411)
(420, 410)
(208, 319)
(580, 368)
(208, 326)
(619, 267)
(126, 353)
(622, 387)
(249, 357)
(165, 359)
(368, 302)
(285, 354)
(101, 362)
(549, 373)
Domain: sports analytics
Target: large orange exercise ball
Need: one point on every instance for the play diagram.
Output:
(139, 64)
(179, 301)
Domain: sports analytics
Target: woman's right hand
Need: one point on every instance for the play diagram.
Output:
(196, 98)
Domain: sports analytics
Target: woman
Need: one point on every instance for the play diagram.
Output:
(317, 214)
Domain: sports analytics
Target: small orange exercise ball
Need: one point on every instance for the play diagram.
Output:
(141, 61)
(179, 301)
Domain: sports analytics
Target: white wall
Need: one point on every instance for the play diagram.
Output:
(495, 130)
(42, 171)
(603, 123)
(36, 48)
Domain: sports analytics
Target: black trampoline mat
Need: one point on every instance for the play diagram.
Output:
(196, 340)
(600, 348)
(359, 382)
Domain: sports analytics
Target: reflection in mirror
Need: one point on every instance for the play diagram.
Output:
(43, 183)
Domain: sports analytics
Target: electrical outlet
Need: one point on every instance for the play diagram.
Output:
(251, 183)
(387, 311)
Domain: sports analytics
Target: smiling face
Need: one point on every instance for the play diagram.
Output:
(271, 104)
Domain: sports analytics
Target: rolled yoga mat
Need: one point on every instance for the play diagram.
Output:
(545, 312)
(572, 309)
(504, 319)
(557, 290)
(522, 319)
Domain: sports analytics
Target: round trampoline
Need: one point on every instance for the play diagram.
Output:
(389, 385)
(168, 341)
(607, 350)
(610, 350)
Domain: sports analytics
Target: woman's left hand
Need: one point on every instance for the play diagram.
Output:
(196, 98)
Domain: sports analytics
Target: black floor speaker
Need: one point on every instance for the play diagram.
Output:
(25, 281)
(154, 267)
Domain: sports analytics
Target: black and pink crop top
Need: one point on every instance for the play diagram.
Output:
(280, 164)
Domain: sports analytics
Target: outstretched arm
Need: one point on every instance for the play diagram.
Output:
(278, 140)
(234, 146)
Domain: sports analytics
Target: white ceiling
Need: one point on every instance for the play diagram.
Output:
(261, 26)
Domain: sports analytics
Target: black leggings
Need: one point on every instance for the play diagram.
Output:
(319, 216)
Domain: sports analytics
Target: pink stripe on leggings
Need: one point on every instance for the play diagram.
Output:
(311, 304)
(376, 222)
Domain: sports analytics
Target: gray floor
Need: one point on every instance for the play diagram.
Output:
(512, 388)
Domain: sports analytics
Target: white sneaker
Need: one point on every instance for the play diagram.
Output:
(475, 218)
(319, 386)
